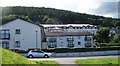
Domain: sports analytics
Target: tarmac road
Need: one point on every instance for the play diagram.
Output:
(70, 60)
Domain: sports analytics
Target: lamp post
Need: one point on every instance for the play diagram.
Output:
(14, 46)
(36, 39)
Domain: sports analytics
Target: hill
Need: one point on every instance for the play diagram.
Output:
(44, 15)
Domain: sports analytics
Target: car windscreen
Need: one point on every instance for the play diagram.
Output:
(38, 51)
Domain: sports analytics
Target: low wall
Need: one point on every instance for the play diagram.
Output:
(95, 53)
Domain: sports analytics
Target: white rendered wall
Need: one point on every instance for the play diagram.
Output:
(62, 41)
(27, 36)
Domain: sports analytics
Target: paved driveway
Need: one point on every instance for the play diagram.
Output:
(70, 60)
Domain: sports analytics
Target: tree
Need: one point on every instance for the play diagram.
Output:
(117, 23)
(116, 38)
(102, 35)
(55, 16)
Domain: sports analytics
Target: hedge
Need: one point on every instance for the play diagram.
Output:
(109, 44)
(63, 50)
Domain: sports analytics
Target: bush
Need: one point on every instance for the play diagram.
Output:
(64, 50)
(109, 44)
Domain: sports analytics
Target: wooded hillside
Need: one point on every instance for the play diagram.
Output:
(44, 15)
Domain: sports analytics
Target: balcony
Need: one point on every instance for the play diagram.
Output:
(70, 39)
(52, 39)
(88, 39)
(5, 36)
(52, 45)
(70, 45)
(88, 44)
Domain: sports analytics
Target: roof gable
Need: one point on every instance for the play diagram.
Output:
(20, 20)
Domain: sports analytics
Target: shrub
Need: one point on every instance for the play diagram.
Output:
(63, 50)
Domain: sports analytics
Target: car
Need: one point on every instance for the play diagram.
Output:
(38, 53)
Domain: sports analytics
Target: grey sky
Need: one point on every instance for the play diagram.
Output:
(107, 8)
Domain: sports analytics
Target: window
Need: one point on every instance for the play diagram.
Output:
(17, 44)
(52, 45)
(73, 27)
(88, 38)
(67, 27)
(38, 51)
(79, 37)
(88, 44)
(77, 27)
(61, 37)
(5, 44)
(91, 27)
(5, 34)
(70, 38)
(17, 31)
(70, 44)
(52, 39)
(81, 27)
(79, 43)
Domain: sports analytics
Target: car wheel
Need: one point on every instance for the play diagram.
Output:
(46, 56)
(30, 56)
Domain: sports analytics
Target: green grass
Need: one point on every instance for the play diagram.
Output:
(9, 57)
(47, 63)
(99, 61)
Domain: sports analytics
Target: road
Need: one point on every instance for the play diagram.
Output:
(70, 60)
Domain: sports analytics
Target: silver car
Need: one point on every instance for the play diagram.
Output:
(38, 53)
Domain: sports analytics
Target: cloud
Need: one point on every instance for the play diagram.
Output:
(108, 9)
(81, 6)
(85, 7)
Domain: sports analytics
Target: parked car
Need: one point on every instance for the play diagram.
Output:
(38, 53)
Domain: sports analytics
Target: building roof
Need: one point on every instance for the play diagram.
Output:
(67, 33)
(67, 25)
(19, 20)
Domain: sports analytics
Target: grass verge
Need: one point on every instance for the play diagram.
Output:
(10, 58)
(46, 63)
(99, 61)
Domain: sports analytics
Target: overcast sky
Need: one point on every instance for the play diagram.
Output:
(107, 8)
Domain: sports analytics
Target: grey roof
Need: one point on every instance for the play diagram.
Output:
(67, 33)
(22, 20)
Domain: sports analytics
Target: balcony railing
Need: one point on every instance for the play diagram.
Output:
(52, 46)
(5, 36)
(70, 45)
(88, 39)
(70, 39)
(52, 40)
(88, 44)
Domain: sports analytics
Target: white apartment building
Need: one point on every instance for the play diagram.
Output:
(69, 35)
(20, 34)
(69, 39)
